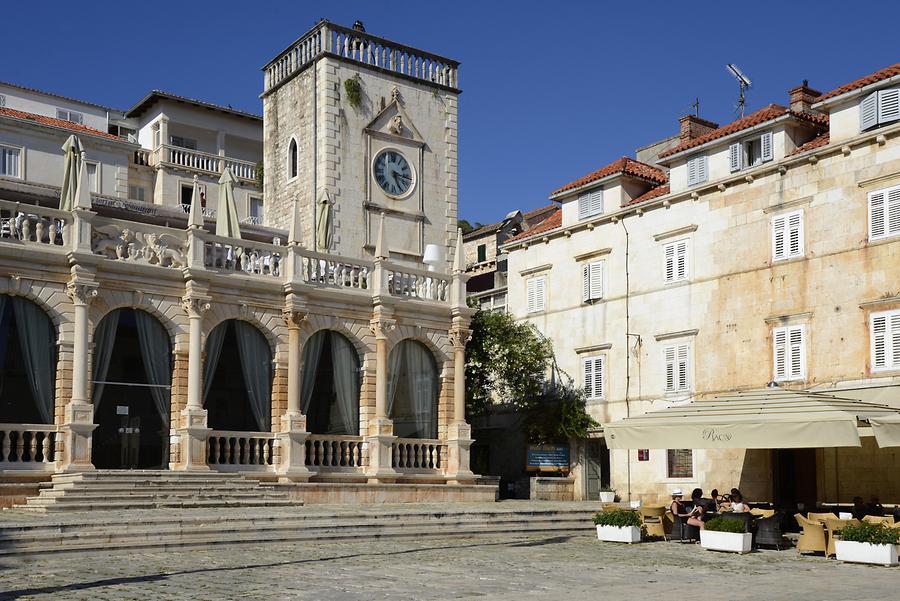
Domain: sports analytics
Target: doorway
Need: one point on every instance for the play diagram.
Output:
(596, 467)
(794, 478)
(132, 373)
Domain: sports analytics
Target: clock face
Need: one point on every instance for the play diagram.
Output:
(393, 173)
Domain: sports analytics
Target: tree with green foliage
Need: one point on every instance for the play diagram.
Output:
(467, 227)
(511, 363)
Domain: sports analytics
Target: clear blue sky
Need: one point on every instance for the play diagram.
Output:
(551, 90)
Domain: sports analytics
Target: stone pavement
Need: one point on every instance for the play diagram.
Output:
(573, 569)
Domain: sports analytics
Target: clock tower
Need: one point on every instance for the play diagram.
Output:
(359, 129)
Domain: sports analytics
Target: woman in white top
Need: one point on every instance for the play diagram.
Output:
(738, 505)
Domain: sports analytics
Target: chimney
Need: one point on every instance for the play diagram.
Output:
(803, 97)
(693, 127)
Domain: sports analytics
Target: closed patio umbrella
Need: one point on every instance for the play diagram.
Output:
(72, 154)
(323, 222)
(226, 217)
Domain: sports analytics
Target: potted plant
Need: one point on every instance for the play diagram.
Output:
(867, 543)
(607, 495)
(618, 525)
(722, 534)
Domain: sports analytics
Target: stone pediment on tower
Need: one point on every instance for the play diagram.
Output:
(393, 123)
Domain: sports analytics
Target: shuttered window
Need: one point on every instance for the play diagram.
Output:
(680, 463)
(592, 281)
(885, 337)
(749, 153)
(9, 161)
(677, 358)
(676, 261)
(592, 368)
(879, 108)
(787, 236)
(590, 204)
(884, 213)
(698, 171)
(790, 353)
(535, 290)
(736, 156)
(766, 151)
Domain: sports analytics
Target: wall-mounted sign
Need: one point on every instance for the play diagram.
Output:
(121, 409)
(548, 458)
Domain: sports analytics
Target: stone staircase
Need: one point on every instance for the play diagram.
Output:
(110, 490)
(29, 534)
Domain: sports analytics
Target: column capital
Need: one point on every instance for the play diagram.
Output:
(381, 327)
(195, 306)
(81, 292)
(459, 337)
(294, 318)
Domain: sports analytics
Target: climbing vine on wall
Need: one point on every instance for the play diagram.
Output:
(353, 89)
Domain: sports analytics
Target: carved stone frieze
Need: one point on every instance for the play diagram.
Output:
(151, 248)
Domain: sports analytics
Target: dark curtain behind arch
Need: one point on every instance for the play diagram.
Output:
(256, 365)
(413, 361)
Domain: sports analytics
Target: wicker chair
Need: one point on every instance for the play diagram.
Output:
(887, 520)
(832, 526)
(682, 531)
(763, 513)
(820, 517)
(812, 539)
(652, 518)
(768, 530)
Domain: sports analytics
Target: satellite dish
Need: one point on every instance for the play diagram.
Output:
(744, 83)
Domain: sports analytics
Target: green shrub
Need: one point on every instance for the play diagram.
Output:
(607, 489)
(353, 88)
(876, 534)
(617, 517)
(725, 525)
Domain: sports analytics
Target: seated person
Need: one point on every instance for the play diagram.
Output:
(677, 507)
(875, 507)
(695, 517)
(737, 504)
(712, 504)
(859, 509)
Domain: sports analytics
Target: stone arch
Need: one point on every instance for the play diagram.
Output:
(52, 298)
(437, 341)
(269, 322)
(292, 158)
(167, 310)
(357, 332)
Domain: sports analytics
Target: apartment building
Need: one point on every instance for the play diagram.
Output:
(762, 252)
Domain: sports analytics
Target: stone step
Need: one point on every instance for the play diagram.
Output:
(53, 505)
(110, 489)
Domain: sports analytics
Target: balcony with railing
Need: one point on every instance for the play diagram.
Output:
(206, 163)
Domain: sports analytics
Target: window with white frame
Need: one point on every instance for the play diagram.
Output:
(677, 358)
(676, 261)
(752, 152)
(879, 108)
(72, 116)
(885, 336)
(679, 463)
(93, 170)
(592, 281)
(257, 209)
(137, 192)
(884, 213)
(789, 353)
(787, 236)
(593, 370)
(10, 161)
(697, 170)
(536, 291)
(590, 204)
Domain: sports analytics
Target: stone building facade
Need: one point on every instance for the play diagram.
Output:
(763, 252)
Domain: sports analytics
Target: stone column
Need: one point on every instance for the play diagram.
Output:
(381, 437)
(293, 435)
(459, 435)
(78, 424)
(193, 433)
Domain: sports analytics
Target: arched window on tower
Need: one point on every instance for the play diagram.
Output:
(293, 159)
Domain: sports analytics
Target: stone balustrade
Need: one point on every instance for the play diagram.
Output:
(360, 47)
(245, 450)
(242, 256)
(333, 451)
(121, 240)
(208, 212)
(27, 446)
(29, 224)
(331, 270)
(203, 162)
(418, 454)
(417, 283)
(141, 157)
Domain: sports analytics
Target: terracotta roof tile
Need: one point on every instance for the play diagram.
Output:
(531, 218)
(623, 165)
(61, 123)
(550, 223)
(649, 195)
(768, 113)
(862, 82)
(817, 142)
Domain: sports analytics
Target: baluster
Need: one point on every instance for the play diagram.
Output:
(308, 454)
(53, 231)
(227, 443)
(214, 449)
(45, 447)
(254, 442)
(418, 456)
(33, 447)
(20, 445)
(39, 231)
(7, 446)
(26, 230)
(319, 452)
(345, 453)
(369, 54)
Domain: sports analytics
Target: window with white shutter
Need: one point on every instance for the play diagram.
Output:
(787, 236)
(884, 213)
(789, 353)
(592, 369)
(766, 151)
(736, 157)
(885, 336)
(879, 108)
(698, 171)
(677, 359)
(535, 292)
(676, 261)
(868, 111)
(590, 204)
(592, 281)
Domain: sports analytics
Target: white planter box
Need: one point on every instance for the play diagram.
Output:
(617, 534)
(608, 497)
(726, 541)
(885, 555)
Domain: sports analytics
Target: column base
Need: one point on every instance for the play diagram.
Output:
(77, 434)
(192, 440)
(292, 443)
(458, 443)
(380, 444)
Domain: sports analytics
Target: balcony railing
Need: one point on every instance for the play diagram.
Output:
(241, 450)
(332, 451)
(418, 454)
(29, 224)
(207, 211)
(27, 446)
(362, 48)
(202, 162)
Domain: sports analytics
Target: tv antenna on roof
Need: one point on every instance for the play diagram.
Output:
(743, 81)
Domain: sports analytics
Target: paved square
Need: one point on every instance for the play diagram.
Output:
(574, 569)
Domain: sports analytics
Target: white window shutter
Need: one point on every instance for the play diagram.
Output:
(702, 170)
(682, 258)
(880, 348)
(585, 282)
(670, 262)
(596, 272)
(670, 368)
(868, 111)
(736, 156)
(877, 214)
(596, 202)
(588, 368)
(797, 353)
(693, 178)
(780, 353)
(766, 151)
(599, 368)
(795, 234)
(683, 352)
(892, 211)
(888, 105)
(583, 204)
(539, 292)
(894, 324)
(779, 230)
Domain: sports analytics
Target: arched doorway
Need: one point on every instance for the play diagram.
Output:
(27, 362)
(330, 384)
(413, 387)
(132, 376)
(237, 378)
